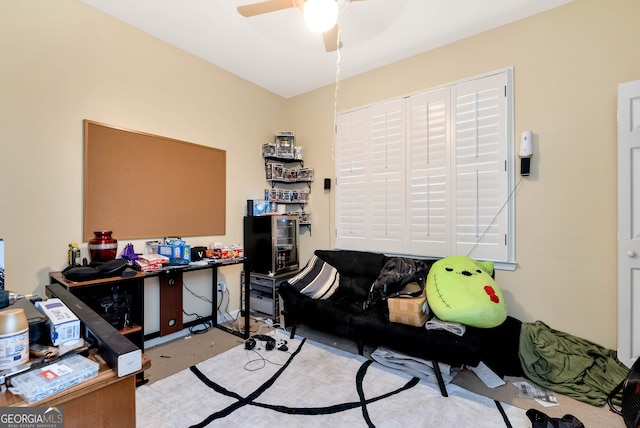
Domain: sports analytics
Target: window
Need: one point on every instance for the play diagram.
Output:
(429, 174)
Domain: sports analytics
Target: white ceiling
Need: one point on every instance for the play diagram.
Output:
(277, 52)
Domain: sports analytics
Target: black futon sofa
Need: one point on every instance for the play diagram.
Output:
(343, 314)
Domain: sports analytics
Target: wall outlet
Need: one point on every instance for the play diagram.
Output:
(222, 286)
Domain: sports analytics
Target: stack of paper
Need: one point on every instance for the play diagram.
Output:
(151, 261)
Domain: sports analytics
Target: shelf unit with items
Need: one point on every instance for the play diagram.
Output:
(263, 294)
(284, 167)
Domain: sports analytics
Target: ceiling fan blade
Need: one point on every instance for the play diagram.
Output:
(330, 37)
(264, 7)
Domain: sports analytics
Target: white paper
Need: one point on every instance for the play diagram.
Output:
(487, 376)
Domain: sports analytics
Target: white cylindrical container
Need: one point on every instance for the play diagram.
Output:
(14, 338)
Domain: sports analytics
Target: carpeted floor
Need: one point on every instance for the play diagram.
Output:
(175, 356)
(311, 385)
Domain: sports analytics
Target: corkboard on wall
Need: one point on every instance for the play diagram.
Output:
(143, 186)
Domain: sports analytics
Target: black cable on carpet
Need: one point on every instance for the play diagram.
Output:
(503, 413)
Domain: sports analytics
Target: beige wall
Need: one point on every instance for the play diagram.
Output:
(567, 64)
(64, 61)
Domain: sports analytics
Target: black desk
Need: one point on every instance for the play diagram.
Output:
(171, 283)
(170, 298)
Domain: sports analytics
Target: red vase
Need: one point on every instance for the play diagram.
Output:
(102, 247)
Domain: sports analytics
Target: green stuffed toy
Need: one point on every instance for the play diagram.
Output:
(460, 289)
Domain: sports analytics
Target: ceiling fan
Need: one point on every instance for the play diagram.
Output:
(330, 36)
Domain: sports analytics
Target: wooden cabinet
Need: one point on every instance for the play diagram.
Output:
(104, 401)
(107, 400)
(118, 300)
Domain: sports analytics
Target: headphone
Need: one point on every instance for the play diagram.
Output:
(270, 342)
(250, 343)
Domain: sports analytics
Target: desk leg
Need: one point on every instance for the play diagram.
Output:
(243, 311)
(247, 296)
(214, 296)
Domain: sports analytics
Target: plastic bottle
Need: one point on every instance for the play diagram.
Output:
(14, 338)
(76, 255)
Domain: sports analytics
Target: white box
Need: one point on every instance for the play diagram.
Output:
(63, 323)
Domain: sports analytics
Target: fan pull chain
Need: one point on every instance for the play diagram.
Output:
(335, 98)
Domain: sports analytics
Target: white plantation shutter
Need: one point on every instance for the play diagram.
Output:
(429, 174)
(351, 169)
(479, 174)
(387, 157)
(428, 204)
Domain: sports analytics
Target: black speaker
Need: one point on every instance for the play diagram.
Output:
(327, 184)
(525, 165)
(249, 207)
(198, 253)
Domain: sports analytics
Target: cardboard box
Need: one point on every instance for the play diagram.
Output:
(407, 310)
(175, 251)
(231, 252)
(64, 325)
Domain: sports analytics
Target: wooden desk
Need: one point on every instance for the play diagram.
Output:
(104, 401)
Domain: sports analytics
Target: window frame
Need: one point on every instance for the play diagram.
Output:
(356, 194)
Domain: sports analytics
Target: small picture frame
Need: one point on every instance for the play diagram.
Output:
(1, 264)
(305, 174)
(277, 171)
(270, 194)
(260, 207)
(284, 145)
(283, 195)
(303, 196)
(268, 150)
(290, 174)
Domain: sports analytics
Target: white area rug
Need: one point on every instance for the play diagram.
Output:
(310, 385)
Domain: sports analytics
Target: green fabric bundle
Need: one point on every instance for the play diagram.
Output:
(569, 365)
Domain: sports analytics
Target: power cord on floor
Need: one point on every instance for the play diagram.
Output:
(235, 323)
(206, 324)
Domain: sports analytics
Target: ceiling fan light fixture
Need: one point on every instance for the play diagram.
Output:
(320, 15)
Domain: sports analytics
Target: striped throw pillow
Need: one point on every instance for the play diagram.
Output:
(318, 279)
